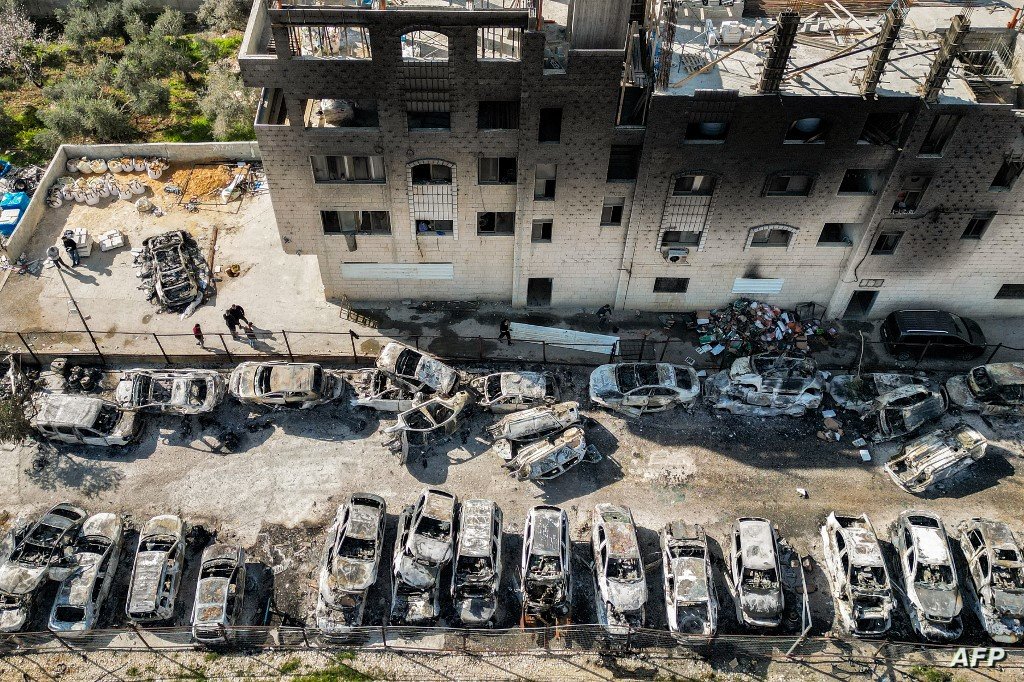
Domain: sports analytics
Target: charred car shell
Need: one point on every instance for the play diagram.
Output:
(996, 389)
(506, 392)
(76, 609)
(423, 548)
(756, 573)
(183, 391)
(284, 384)
(156, 573)
(767, 385)
(936, 457)
(995, 572)
(174, 267)
(81, 419)
(637, 387)
(551, 457)
(903, 411)
(931, 593)
(691, 601)
(219, 593)
(618, 567)
(545, 567)
(535, 423)
(858, 575)
(417, 370)
(377, 390)
(476, 574)
(858, 393)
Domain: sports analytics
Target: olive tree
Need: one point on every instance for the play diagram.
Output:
(224, 15)
(228, 102)
(20, 42)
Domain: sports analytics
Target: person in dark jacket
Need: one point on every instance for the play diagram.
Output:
(239, 314)
(505, 331)
(72, 249)
(232, 322)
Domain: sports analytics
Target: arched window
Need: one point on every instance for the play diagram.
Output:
(773, 235)
(424, 46)
(695, 183)
(431, 173)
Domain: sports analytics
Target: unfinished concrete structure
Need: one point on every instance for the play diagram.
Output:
(667, 155)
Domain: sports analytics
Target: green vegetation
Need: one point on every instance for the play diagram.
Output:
(924, 673)
(118, 72)
(14, 425)
(336, 671)
(211, 656)
(290, 666)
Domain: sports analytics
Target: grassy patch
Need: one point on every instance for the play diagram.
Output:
(336, 671)
(924, 673)
(290, 666)
(211, 656)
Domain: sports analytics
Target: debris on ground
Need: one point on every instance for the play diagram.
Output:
(174, 271)
(747, 326)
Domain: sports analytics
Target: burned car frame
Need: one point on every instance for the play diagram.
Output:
(996, 389)
(419, 371)
(545, 568)
(857, 574)
(936, 457)
(505, 392)
(691, 601)
(767, 385)
(219, 593)
(423, 548)
(637, 387)
(858, 392)
(535, 423)
(549, 458)
(905, 410)
(377, 390)
(284, 384)
(157, 570)
(995, 577)
(180, 391)
(755, 572)
(931, 590)
(621, 586)
(476, 571)
(76, 609)
(81, 419)
(175, 271)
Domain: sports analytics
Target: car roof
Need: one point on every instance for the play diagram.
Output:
(757, 543)
(363, 521)
(292, 377)
(546, 531)
(439, 504)
(927, 321)
(79, 410)
(165, 524)
(475, 534)
(619, 529)
(863, 546)
(526, 384)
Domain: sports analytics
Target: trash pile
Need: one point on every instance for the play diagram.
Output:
(19, 179)
(747, 327)
(173, 271)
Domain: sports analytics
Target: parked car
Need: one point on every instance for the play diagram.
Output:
(903, 411)
(637, 387)
(79, 602)
(996, 389)
(690, 598)
(156, 573)
(756, 573)
(536, 422)
(377, 390)
(619, 568)
(80, 419)
(423, 548)
(219, 593)
(909, 334)
(546, 568)
(936, 457)
(33, 554)
(995, 577)
(858, 392)
(348, 565)
(857, 574)
(506, 392)
(476, 575)
(931, 592)
(284, 384)
(182, 391)
(417, 370)
(767, 385)
(551, 457)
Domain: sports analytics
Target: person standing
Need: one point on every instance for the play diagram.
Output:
(505, 331)
(197, 332)
(604, 314)
(239, 313)
(53, 253)
(72, 249)
(232, 322)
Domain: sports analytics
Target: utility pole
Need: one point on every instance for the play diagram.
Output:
(60, 273)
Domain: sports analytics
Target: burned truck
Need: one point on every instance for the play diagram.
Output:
(857, 574)
(175, 271)
(545, 568)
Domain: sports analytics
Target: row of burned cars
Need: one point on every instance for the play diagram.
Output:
(447, 550)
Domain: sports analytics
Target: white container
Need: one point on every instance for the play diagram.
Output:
(71, 165)
(154, 173)
(139, 165)
(84, 166)
(98, 166)
(103, 190)
(65, 190)
(114, 165)
(136, 187)
(123, 192)
(92, 198)
(78, 196)
(54, 200)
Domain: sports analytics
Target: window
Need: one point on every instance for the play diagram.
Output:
(680, 238)
(611, 212)
(909, 197)
(495, 223)
(430, 120)
(806, 131)
(497, 170)
(424, 46)
(431, 174)
(789, 185)
(541, 232)
(860, 181)
(544, 184)
(356, 222)
(938, 135)
(499, 42)
(886, 243)
(632, 106)
(882, 127)
(1008, 173)
(342, 113)
(771, 238)
(977, 225)
(706, 131)
(272, 109)
(434, 228)
(693, 185)
(550, 129)
(671, 285)
(347, 168)
(349, 42)
(1011, 291)
(833, 233)
(498, 115)
(623, 162)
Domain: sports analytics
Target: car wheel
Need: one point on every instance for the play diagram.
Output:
(903, 356)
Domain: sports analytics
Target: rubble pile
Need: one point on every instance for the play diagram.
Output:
(174, 272)
(746, 327)
(19, 179)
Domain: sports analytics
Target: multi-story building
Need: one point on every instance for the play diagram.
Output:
(671, 155)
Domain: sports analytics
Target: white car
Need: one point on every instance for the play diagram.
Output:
(181, 391)
(76, 610)
(80, 419)
(858, 576)
(156, 573)
(284, 384)
(995, 572)
(756, 573)
(476, 571)
(545, 568)
(767, 385)
(637, 387)
(691, 601)
(219, 593)
(931, 589)
(417, 370)
(423, 548)
(506, 392)
(619, 568)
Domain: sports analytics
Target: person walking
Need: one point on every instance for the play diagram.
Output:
(232, 322)
(604, 314)
(505, 331)
(53, 253)
(239, 314)
(72, 249)
(197, 332)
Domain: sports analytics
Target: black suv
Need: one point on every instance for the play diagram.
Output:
(909, 334)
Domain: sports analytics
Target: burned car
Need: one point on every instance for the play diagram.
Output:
(174, 270)
(33, 554)
(857, 574)
(690, 598)
(285, 384)
(219, 593)
(936, 457)
(476, 575)
(905, 410)
(422, 549)
(506, 392)
(182, 391)
(348, 566)
(376, 390)
(995, 572)
(434, 414)
(535, 423)
(996, 389)
(637, 387)
(931, 593)
(417, 370)
(767, 385)
(156, 573)
(81, 419)
(621, 586)
(858, 392)
(76, 610)
(546, 568)
(755, 573)
(551, 457)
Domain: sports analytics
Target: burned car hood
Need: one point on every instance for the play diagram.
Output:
(627, 596)
(350, 575)
(19, 580)
(766, 604)
(603, 382)
(416, 574)
(938, 604)
(1008, 603)
(476, 609)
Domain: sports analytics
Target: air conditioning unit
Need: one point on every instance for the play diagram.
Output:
(676, 255)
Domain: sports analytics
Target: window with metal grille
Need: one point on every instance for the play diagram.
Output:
(541, 231)
(693, 185)
(768, 238)
(611, 211)
(671, 285)
(886, 243)
(498, 115)
(356, 222)
(977, 225)
(495, 223)
(496, 42)
(938, 135)
(347, 168)
(623, 162)
(544, 182)
(680, 238)
(1007, 175)
(789, 185)
(349, 42)
(1011, 291)
(497, 170)
(550, 129)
